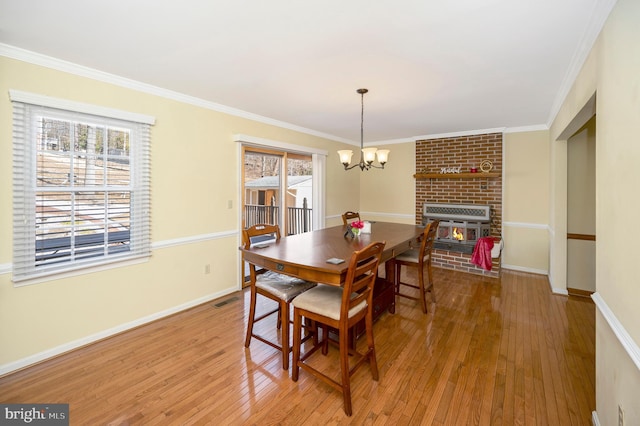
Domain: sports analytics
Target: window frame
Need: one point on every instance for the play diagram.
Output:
(27, 109)
(319, 164)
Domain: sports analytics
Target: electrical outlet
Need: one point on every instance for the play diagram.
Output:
(620, 416)
(207, 269)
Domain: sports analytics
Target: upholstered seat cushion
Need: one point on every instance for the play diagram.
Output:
(410, 256)
(325, 300)
(282, 286)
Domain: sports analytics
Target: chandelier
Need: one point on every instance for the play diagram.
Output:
(367, 155)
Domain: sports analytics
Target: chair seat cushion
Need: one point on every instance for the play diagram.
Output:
(325, 300)
(409, 256)
(282, 286)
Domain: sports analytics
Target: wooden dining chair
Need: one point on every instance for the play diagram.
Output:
(340, 308)
(419, 259)
(350, 216)
(272, 285)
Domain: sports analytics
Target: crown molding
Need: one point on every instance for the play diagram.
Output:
(532, 128)
(82, 71)
(389, 142)
(459, 134)
(599, 16)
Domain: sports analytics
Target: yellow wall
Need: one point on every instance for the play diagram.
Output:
(581, 185)
(389, 195)
(192, 226)
(526, 201)
(613, 71)
(617, 157)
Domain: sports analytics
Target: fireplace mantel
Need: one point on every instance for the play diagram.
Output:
(456, 175)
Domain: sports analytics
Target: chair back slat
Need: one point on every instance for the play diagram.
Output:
(348, 216)
(361, 276)
(428, 238)
(259, 230)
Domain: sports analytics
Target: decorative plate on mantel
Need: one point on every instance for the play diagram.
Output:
(486, 166)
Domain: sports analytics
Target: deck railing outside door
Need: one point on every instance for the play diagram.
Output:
(298, 218)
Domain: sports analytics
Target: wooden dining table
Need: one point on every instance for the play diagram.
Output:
(306, 255)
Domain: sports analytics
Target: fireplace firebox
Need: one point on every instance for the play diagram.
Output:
(461, 225)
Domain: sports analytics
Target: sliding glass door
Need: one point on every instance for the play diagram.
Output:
(277, 190)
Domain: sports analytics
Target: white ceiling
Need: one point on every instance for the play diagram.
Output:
(431, 66)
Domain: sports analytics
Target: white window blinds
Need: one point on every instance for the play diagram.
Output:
(81, 186)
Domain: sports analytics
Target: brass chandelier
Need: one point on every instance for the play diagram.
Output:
(367, 155)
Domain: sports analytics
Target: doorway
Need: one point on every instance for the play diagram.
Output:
(277, 189)
(581, 208)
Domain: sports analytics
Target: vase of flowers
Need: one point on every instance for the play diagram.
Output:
(356, 226)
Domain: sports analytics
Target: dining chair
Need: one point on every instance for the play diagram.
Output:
(419, 259)
(340, 308)
(272, 285)
(349, 216)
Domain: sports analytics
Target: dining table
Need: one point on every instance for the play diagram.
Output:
(323, 255)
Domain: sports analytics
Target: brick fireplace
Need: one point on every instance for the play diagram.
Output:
(432, 186)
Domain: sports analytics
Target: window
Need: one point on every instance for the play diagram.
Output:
(81, 192)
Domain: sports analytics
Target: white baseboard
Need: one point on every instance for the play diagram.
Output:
(560, 291)
(524, 269)
(58, 350)
(554, 290)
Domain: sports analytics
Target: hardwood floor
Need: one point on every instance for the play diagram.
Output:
(490, 352)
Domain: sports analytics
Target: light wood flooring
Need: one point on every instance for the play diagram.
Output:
(490, 352)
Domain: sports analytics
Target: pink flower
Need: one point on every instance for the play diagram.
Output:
(358, 224)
